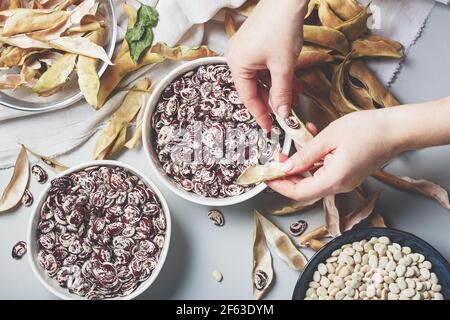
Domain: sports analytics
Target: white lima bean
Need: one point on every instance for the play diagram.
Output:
(372, 270)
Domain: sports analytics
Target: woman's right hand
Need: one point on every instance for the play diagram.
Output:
(354, 146)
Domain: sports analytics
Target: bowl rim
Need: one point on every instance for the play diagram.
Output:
(39, 273)
(57, 105)
(148, 148)
(384, 231)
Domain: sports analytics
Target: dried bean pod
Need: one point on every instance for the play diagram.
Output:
(281, 244)
(262, 273)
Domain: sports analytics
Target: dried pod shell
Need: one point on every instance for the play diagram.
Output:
(326, 37)
(29, 72)
(18, 183)
(136, 138)
(361, 213)
(122, 66)
(182, 53)
(289, 209)
(315, 244)
(261, 173)
(359, 94)
(25, 42)
(56, 76)
(378, 46)
(281, 244)
(262, 273)
(425, 187)
(74, 18)
(375, 89)
(332, 216)
(116, 146)
(19, 250)
(346, 9)
(319, 232)
(230, 25)
(297, 228)
(312, 5)
(52, 163)
(311, 56)
(82, 46)
(317, 87)
(336, 224)
(10, 81)
(294, 206)
(27, 198)
(377, 220)
(88, 79)
(356, 26)
(217, 217)
(83, 28)
(13, 56)
(131, 13)
(337, 94)
(48, 57)
(115, 133)
(376, 37)
(29, 20)
(327, 16)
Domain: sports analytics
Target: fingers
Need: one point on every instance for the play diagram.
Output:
(323, 183)
(312, 128)
(281, 91)
(313, 152)
(307, 189)
(247, 89)
(282, 157)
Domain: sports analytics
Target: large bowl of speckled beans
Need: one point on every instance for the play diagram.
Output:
(199, 137)
(100, 230)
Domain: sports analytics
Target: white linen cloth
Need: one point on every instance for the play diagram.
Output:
(181, 21)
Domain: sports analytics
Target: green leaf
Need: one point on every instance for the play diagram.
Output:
(140, 37)
(134, 34)
(148, 16)
(138, 47)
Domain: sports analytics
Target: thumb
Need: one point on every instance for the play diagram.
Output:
(281, 91)
(304, 159)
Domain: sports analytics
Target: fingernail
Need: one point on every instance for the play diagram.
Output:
(288, 165)
(284, 111)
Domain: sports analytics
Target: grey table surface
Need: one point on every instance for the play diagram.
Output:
(198, 247)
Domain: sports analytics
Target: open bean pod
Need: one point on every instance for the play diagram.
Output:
(113, 137)
(421, 186)
(262, 272)
(17, 184)
(261, 173)
(281, 244)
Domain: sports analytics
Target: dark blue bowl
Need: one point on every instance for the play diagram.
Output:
(440, 266)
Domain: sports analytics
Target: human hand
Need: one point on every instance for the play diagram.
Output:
(269, 40)
(351, 148)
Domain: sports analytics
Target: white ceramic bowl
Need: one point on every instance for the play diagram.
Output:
(151, 154)
(51, 284)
